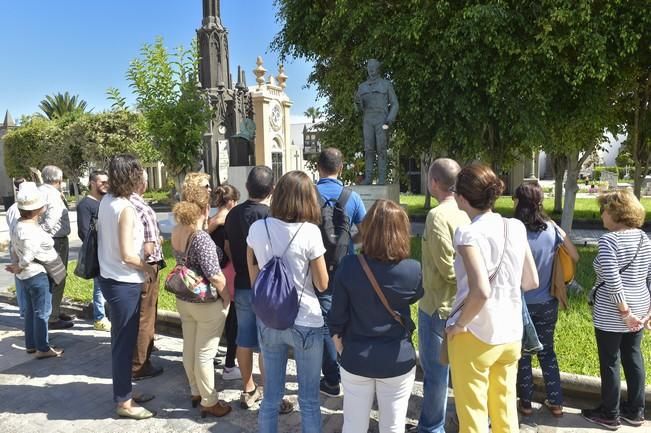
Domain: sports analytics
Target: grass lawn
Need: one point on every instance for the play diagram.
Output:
(575, 341)
(586, 208)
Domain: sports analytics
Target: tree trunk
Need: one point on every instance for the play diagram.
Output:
(574, 163)
(638, 178)
(558, 170)
(428, 199)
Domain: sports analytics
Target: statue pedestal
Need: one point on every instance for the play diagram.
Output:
(370, 193)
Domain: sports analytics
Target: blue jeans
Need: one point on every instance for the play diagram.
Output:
(307, 345)
(247, 327)
(124, 299)
(98, 301)
(38, 305)
(329, 365)
(435, 375)
(20, 296)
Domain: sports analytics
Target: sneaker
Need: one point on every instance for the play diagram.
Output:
(102, 325)
(631, 417)
(596, 416)
(330, 390)
(232, 373)
(248, 399)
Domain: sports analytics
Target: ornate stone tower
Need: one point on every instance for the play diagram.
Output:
(231, 105)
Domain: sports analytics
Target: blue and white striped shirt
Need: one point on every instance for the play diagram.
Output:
(617, 250)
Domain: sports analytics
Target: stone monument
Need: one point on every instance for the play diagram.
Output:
(231, 104)
(377, 100)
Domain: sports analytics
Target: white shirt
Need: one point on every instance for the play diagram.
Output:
(108, 245)
(500, 320)
(307, 246)
(29, 242)
(13, 215)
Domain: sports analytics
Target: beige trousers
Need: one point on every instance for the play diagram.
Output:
(202, 326)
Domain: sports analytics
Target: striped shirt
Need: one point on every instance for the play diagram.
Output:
(617, 250)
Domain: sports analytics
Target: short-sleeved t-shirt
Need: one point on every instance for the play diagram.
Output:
(307, 246)
(330, 189)
(543, 248)
(237, 224)
(500, 320)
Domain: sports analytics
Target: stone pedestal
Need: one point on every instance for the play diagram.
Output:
(237, 177)
(370, 193)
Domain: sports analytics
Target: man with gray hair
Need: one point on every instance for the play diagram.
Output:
(440, 284)
(56, 222)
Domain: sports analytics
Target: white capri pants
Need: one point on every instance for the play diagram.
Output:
(392, 398)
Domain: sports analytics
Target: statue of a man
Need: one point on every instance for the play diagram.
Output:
(378, 102)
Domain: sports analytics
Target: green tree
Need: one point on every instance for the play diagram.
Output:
(61, 104)
(30, 145)
(313, 113)
(175, 110)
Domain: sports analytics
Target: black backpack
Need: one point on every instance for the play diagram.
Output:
(335, 228)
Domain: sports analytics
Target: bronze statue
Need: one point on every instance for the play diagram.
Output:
(378, 102)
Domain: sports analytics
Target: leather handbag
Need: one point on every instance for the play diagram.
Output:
(444, 358)
(563, 271)
(55, 269)
(188, 284)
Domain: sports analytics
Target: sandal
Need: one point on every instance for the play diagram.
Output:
(138, 412)
(555, 409)
(286, 406)
(524, 407)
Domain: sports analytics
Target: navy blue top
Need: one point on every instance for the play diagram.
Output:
(87, 209)
(330, 189)
(543, 248)
(375, 345)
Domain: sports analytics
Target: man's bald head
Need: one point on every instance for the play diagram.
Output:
(444, 171)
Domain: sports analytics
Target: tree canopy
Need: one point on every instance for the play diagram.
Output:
(175, 109)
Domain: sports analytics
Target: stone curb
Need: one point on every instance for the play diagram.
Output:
(169, 323)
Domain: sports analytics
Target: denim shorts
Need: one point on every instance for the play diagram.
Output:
(247, 328)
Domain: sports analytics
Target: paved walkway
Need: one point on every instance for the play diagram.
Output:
(72, 394)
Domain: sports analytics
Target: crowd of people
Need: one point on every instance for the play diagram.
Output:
(279, 273)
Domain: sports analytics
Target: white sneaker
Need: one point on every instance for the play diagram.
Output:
(231, 373)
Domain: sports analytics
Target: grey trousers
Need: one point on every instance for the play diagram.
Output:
(375, 143)
(62, 248)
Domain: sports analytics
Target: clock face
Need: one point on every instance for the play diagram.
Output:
(221, 129)
(276, 117)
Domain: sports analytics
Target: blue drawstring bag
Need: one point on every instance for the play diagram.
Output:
(274, 297)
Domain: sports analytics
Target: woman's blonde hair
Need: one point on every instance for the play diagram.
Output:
(386, 234)
(623, 207)
(195, 202)
(194, 180)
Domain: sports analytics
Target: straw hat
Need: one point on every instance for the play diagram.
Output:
(29, 197)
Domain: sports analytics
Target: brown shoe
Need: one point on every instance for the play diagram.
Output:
(524, 407)
(52, 353)
(555, 409)
(148, 372)
(219, 409)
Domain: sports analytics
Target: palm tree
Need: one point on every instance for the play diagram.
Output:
(57, 105)
(314, 113)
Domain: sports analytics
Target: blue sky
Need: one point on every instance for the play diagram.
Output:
(85, 46)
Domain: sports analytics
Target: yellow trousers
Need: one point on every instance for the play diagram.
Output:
(483, 379)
